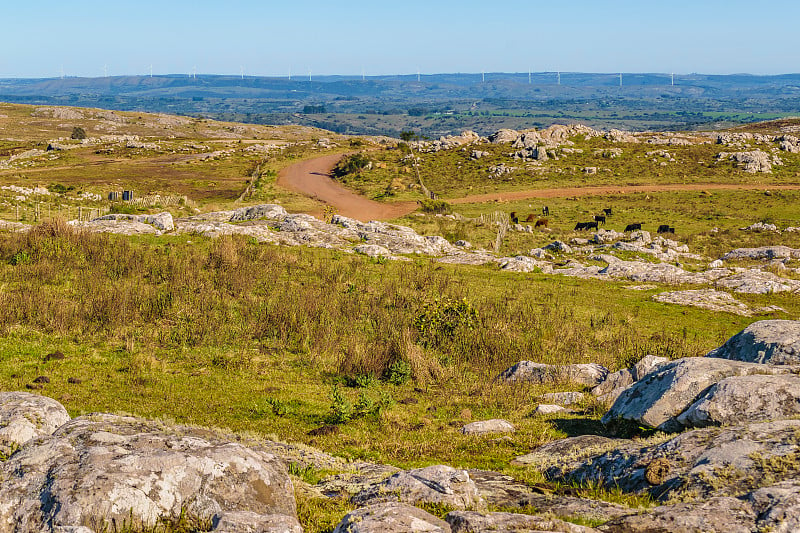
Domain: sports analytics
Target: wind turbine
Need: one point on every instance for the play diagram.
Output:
(105, 71)
(309, 75)
(529, 76)
(620, 79)
(241, 69)
(673, 79)
(417, 74)
(194, 72)
(151, 70)
(483, 77)
(363, 74)
(558, 78)
(62, 71)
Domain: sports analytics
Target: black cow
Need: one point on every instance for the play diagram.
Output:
(634, 227)
(545, 211)
(514, 218)
(607, 211)
(580, 226)
(600, 219)
(665, 228)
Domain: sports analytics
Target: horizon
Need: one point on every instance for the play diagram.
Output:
(90, 38)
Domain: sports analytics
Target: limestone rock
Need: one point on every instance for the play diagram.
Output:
(267, 211)
(485, 427)
(660, 396)
(763, 252)
(548, 409)
(474, 522)
(103, 468)
(705, 299)
(777, 506)
(563, 398)
(773, 342)
(721, 514)
(647, 364)
(25, 416)
(752, 161)
(391, 517)
(503, 136)
(745, 399)
(589, 374)
(432, 484)
(250, 522)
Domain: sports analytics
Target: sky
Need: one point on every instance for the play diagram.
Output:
(92, 38)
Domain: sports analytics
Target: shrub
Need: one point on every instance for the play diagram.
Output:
(434, 206)
(78, 133)
(440, 319)
(350, 164)
(398, 372)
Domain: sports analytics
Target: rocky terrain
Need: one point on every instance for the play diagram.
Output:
(596, 257)
(726, 460)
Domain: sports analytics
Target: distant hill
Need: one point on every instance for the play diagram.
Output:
(436, 104)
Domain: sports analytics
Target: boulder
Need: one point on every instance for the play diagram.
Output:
(503, 136)
(391, 517)
(773, 342)
(764, 252)
(588, 374)
(647, 364)
(691, 466)
(432, 484)
(485, 427)
(710, 299)
(474, 522)
(659, 397)
(741, 399)
(250, 522)
(548, 409)
(721, 514)
(563, 398)
(25, 416)
(100, 469)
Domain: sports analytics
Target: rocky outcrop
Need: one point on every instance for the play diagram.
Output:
(774, 342)
(25, 416)
(474, 522)
(752, 161)
(160, 221)
(658, 398)
(391, 517)
(764, 252)
(432, 484)
(710, 299)
(100, 469)
(589, 374)
(487, 427)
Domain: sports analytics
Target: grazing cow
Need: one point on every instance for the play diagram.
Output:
(581, 226)
(607, 211)
(530, 218)
(665, 228)
(514, 218)
(600, 219)
(541, 223)
(633, 227)
(545, 211)
(591, 225)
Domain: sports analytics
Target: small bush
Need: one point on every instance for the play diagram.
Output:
(78, 133)
(435, 206)
(439, 320)
(398, 372)
(350, 164)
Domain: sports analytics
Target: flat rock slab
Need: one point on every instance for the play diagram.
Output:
(102, 468)
(774, 342)
(391, 517)
(562, 398)
(474, 522)
(659, 397)
(488, 427)
(710, 299)
(728, 515)
(25, 416)
(432, 484)
(588, 374)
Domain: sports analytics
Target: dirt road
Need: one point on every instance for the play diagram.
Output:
(312, 178)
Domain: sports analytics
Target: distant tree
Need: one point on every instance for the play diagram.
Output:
(78, 133)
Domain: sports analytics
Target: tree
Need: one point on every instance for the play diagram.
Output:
(78, 133)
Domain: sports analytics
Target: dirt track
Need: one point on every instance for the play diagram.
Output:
(312, 178)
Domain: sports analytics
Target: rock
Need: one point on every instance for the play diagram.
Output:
(548, 409)
(705, 299)
(763, 252)
(740, 399)
(609, 390)
(563, 398)
(391, 517)
(760, 226)
(267, 211)
(605, 236)
(474, 522)
(484, 427)
(25, 416)
(659, 397)
(647, 364)
(558, 246)
(589, 170)
(752, 161)
(703, 463)
(503, 136)
(722, 514)
(432, 484)
(773, 342)
(717, 263)
(250, 522)
(101, 468)
(777, 506)
(373, 250)
(162, 221)
(589, 374)
(523, 263)
(754, 281)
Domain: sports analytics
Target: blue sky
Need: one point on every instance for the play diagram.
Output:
(274, 38)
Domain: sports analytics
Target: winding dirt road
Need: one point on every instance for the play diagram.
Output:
(312, 177)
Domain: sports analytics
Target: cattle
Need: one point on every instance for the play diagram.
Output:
(600, 219)
(545, 211)
(514, 217)
(541, 223)
(634, 227)
(666, 228)
(530, 218)
(607, 211)
(581, 226)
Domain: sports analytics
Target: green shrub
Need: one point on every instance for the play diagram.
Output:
(350, 164)
(78, 133)
(434, 206)
(439, 320)
(398, 372)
